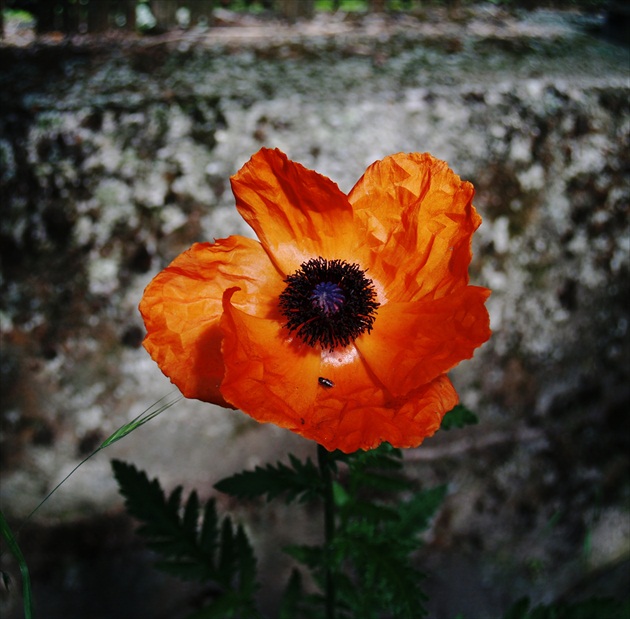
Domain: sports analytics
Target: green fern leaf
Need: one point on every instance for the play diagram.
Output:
(458, 417)
(377, 470)
(208, 536)
(300, 481)
(191, 514)
(377, 482)
(415, 514)
(141, 496)
(368, 512)
(164, 531)
(226, 565)
(292, 597)
(384, 457)
(190, 549)
(386, 580)
(174, 500)
(246, 564)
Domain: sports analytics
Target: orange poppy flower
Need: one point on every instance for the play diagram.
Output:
(341, 321)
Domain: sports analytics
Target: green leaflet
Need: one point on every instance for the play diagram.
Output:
(388, 581)
(458, 417)
(416, 513)
(190, 549)
(293, 595)
(298, 482)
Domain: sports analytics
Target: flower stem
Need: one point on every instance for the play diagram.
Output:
(323, 458)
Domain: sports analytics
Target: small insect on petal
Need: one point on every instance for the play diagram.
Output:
(325, 382)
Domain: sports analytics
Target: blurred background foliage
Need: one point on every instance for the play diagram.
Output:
(152, 16)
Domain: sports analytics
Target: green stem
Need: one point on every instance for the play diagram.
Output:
(323, 458)
(8, 536)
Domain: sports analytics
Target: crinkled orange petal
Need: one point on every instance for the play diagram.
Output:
(266, 375)
(275, 379)
(350, 423)
(413, 343)
(182, 306)
(296, 213)
(421, 220)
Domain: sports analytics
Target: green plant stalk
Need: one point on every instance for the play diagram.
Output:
(19, 557)
(323, 458)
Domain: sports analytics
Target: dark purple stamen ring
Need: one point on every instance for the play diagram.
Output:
(328, 303)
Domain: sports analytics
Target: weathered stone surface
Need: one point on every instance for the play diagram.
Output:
(116, 159)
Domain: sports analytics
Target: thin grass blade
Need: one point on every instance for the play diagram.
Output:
(27, 596)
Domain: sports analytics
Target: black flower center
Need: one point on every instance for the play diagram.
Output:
(328, 302)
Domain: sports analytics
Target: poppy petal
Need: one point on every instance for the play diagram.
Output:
(267, 375)
(374, 416)
(181, 308)
(294, 211)
(421, 218)
(277, 380)
(413, 343)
